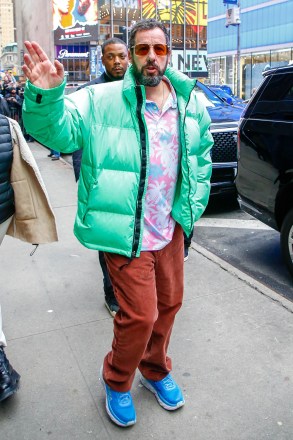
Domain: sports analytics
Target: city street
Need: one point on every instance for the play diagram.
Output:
(173, 97)
(244, 242)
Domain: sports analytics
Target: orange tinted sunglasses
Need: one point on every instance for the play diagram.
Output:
(143, 49)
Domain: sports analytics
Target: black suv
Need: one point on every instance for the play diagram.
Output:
(265, 156)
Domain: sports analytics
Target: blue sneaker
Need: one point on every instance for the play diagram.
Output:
(167, 392)
(119, 406)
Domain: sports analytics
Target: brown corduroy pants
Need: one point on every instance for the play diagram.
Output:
(149, 290)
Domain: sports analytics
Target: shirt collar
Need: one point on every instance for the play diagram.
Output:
(173, 103)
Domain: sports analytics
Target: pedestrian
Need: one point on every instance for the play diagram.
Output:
(146, 179)
(14, 103)
(55, 155)
(115, 61)
(4, 108)
(25, 213)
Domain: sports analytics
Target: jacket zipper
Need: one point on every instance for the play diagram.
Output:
(143, 170)
(185, 109)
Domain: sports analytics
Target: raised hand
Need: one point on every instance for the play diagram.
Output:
(39, 69)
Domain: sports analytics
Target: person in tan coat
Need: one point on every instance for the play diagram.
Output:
(25, 213)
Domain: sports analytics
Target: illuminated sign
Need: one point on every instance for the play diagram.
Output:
(189, 12)
(69, 52)
(75, 20)
(132, 4)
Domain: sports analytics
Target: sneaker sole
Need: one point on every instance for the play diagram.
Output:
(112, 417)
(147, 385)
(112, 312)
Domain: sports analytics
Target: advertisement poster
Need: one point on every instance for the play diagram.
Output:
(75, 20)
(196, 14)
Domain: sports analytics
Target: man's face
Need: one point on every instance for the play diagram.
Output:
(150, 68)
(62, 5)
(115, 60)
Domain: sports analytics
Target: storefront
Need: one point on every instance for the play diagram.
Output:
(222, 70)
(76, 61)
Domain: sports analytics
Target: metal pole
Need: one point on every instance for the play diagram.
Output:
(184, 38)
(111, 18)
(197, 35)
(170, 24)
(238, 54)
(126, 19)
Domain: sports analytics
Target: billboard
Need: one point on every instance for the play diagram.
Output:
(188, 11)
(75, 20)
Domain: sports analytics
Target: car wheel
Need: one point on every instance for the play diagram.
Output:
(287, 241)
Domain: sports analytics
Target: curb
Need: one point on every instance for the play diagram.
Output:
(256, 285)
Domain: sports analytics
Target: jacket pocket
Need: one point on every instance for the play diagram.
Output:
(23, 200)
(89, 200)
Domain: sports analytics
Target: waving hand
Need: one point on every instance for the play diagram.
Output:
(39, 69)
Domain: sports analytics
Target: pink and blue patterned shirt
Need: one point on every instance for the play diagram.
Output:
(163, 132)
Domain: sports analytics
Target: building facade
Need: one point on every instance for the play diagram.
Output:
(33, 22)
(9, 58)
(6, 23)
(240, 53)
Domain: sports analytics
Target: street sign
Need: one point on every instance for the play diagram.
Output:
(233, 16)
(93, 60)
(230, 2)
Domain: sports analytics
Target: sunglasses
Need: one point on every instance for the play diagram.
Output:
(143, 49)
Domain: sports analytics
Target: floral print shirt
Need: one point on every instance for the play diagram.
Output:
(163, 132)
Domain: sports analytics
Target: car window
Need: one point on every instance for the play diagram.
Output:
(203, 98)
(207, 96)
(276, 100)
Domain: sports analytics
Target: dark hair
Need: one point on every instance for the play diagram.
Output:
(146, 25)
(112, 41)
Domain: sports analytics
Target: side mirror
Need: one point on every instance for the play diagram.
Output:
(228, 100)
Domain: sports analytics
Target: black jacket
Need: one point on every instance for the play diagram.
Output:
(6, 156)
(4, 107)
(77, 155)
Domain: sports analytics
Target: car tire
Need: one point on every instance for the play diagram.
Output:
(287, 241)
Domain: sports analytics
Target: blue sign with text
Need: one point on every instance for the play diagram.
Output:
(230, 2)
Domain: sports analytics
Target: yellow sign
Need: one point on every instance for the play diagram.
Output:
(195, 11)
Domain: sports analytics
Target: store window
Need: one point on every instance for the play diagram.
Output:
(281, 57)
(75, 59)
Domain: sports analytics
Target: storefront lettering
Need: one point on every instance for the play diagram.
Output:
(194, 62)
(132, 4)
(63, 53)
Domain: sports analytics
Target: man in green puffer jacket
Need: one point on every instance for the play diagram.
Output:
(145, 177)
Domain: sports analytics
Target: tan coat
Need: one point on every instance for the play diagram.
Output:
(34, 220)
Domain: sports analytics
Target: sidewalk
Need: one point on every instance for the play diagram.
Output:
(232, 345)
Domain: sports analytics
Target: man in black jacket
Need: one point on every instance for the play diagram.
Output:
(115, 61)
(9, 378)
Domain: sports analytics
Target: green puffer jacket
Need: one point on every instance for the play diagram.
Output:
(108, 122)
